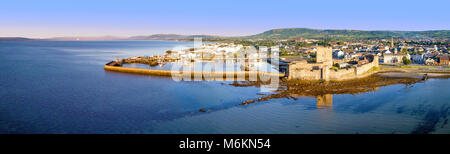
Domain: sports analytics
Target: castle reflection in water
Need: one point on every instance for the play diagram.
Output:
(324, 101)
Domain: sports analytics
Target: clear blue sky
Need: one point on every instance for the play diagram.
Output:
(53, 18)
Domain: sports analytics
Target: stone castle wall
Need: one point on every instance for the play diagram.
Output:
(305, 74)
(342, 74)
(366, 67)
(304, 71)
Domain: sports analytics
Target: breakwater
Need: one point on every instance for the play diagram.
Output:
(206, 75)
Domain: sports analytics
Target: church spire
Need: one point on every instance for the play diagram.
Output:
(392, 42)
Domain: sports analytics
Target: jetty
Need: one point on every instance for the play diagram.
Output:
(206, 75)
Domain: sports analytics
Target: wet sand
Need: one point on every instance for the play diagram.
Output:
(392, 71)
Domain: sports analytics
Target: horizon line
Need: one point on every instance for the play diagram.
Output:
(128, 36)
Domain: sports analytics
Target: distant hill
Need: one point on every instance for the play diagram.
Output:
(14, 39)
(290, 33)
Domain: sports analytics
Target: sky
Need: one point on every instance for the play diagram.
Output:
(59, 18)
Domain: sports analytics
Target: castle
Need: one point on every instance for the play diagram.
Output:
(322, 69)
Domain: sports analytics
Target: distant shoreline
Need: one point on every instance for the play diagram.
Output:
(274, 34)
(44, 40)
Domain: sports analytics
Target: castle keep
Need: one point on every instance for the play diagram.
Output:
(322, 69)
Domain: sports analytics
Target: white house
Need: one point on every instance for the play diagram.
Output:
(430, 61)
(418, 59)
(338, 54)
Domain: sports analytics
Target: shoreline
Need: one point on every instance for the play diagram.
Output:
(293, 89)
(390, 71)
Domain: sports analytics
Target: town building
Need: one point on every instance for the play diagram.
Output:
(394, 58)
(444, 60)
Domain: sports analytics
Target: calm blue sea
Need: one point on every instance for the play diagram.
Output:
(61, 87)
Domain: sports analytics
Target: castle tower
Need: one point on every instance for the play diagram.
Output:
(324, 55)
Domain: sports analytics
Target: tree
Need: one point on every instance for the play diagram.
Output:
(169, 52)
(312, 60)
(404, 50)
(406, 61)
(324, 42)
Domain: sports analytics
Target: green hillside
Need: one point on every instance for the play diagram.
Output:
(290, 33)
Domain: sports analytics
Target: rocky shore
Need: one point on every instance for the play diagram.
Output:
(292, 89)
